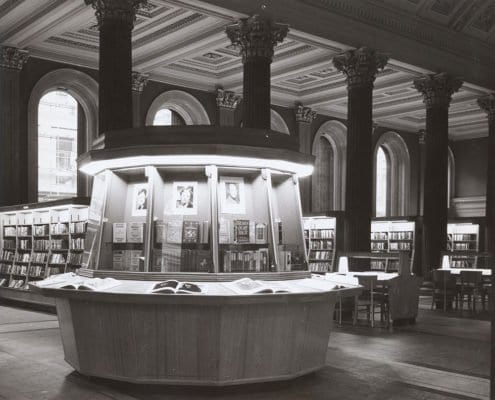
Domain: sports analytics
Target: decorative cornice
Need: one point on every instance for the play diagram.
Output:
(304, 114)
(256, 36)
(116, 10)
(422, 136)
(12, 57)
(487, 104)
(139, 81)
(437, 89)
(226, 99)
(360, 66)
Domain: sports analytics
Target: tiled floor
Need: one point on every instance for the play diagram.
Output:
(441, 357)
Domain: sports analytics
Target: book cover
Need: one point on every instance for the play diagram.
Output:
(241, 231)
(160, 230)
(174, 232)
(224, 231)
(135, 232)
(119, 232)
(133, 260)
(118, 260)
(260, 233)
(190, 233)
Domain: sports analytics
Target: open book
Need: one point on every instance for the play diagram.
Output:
(175, 287)
(250, 286)
(91, 284)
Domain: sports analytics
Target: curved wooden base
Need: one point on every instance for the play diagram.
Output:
(195, 340)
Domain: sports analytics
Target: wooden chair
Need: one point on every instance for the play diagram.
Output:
(470, 288)
(369, 299)
(444, 288)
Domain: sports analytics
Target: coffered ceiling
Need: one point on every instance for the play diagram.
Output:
(183, 42)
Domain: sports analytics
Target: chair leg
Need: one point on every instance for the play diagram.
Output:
(354, 317)
(340, 310)
(372, 311)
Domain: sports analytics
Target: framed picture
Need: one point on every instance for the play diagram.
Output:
(232, 197)
(140, 200)
(185, 200)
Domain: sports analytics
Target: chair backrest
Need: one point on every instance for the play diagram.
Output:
(443, 279)
(471, 278)
(369, 282)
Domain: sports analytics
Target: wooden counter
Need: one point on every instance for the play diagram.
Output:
(217, 338)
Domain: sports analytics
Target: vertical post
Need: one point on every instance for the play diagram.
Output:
(211, 172)
(487, 103)
(360, 67)
(12, 61)
(256, 36)
(139, 81)
(437, 90)
(304, 117)
(115, 21)
(227, 103)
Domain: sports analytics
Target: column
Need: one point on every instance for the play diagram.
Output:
(304, 117)
(227, 103)
(115, 21)
(139, 81)
(437, 90)
(256, 36)
(487, 103)
(11, 62)
(360, 67)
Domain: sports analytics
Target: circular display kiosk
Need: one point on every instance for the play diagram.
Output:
(206, 205)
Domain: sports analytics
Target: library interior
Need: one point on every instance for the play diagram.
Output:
(247, 199)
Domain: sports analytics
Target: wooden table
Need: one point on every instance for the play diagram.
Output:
(217, 338)
(457, 271)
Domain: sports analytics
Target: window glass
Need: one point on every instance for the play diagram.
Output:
(163, 117)
(57, 146)
(381, 183)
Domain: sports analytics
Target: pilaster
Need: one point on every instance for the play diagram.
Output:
(227, 103)
(138, 83)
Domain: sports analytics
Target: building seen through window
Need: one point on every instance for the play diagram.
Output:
(57, 146)
(167, 117)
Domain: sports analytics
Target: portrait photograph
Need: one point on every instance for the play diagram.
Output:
(185, 198)
(140, 200)
(232, 197)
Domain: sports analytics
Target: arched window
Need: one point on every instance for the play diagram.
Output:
(328, 180)
(381, 183)
(57, 146)
(277, 123)
(167, 117)
(392, 185)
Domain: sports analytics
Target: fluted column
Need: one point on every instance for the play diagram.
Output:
(115, 21)
(256, 36)
(437, 90)
(304, 117)
(12, 61)
(227, 103)
(139, 81)
(487, 103)
(360, 67)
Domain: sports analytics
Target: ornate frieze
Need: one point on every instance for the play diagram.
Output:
(116, 10)
(437, 89)
(256, 36)
(227, 99)
(487, 104)
(12, 57)
(139, 81)
(304, 114)
(360, 66)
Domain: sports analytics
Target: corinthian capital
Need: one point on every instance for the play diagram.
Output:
(116, 10)
(139, 81)
(487, 104)
(12, 57)
(304, 114)
(360, 66)
(226, 99)
(256, 36)
(437, 89)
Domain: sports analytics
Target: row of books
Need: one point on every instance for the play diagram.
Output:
(319, 266)
(405, 235)
(460, 264)
(126, 260)
(244, 231)
(19, 269)
(246, 261)
(5, 268)
(8, 243)
(321, 245)
(59, 228)
(77, 243)
(36, 271)
(321, 234)
(461, 246)
(39, 257)
(57, 258)
(41, 230)
(378, 246)
(23, 257)
(400, 246)
(128, 232)
(59, 244)
(16, 283)
(378, 265)
(75, 258)
(177, 232)
(9, 231)
(379, 236)
(24, 244)
(8, 255)
(461, 236)
(78, 227)
(41, 244)
(172, 259)
(320, 255)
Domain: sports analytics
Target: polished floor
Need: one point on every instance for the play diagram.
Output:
(442, 357)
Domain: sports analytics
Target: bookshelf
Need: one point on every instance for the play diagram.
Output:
(391, 236)
(463, 237)
(39, 240)
(320, 239)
